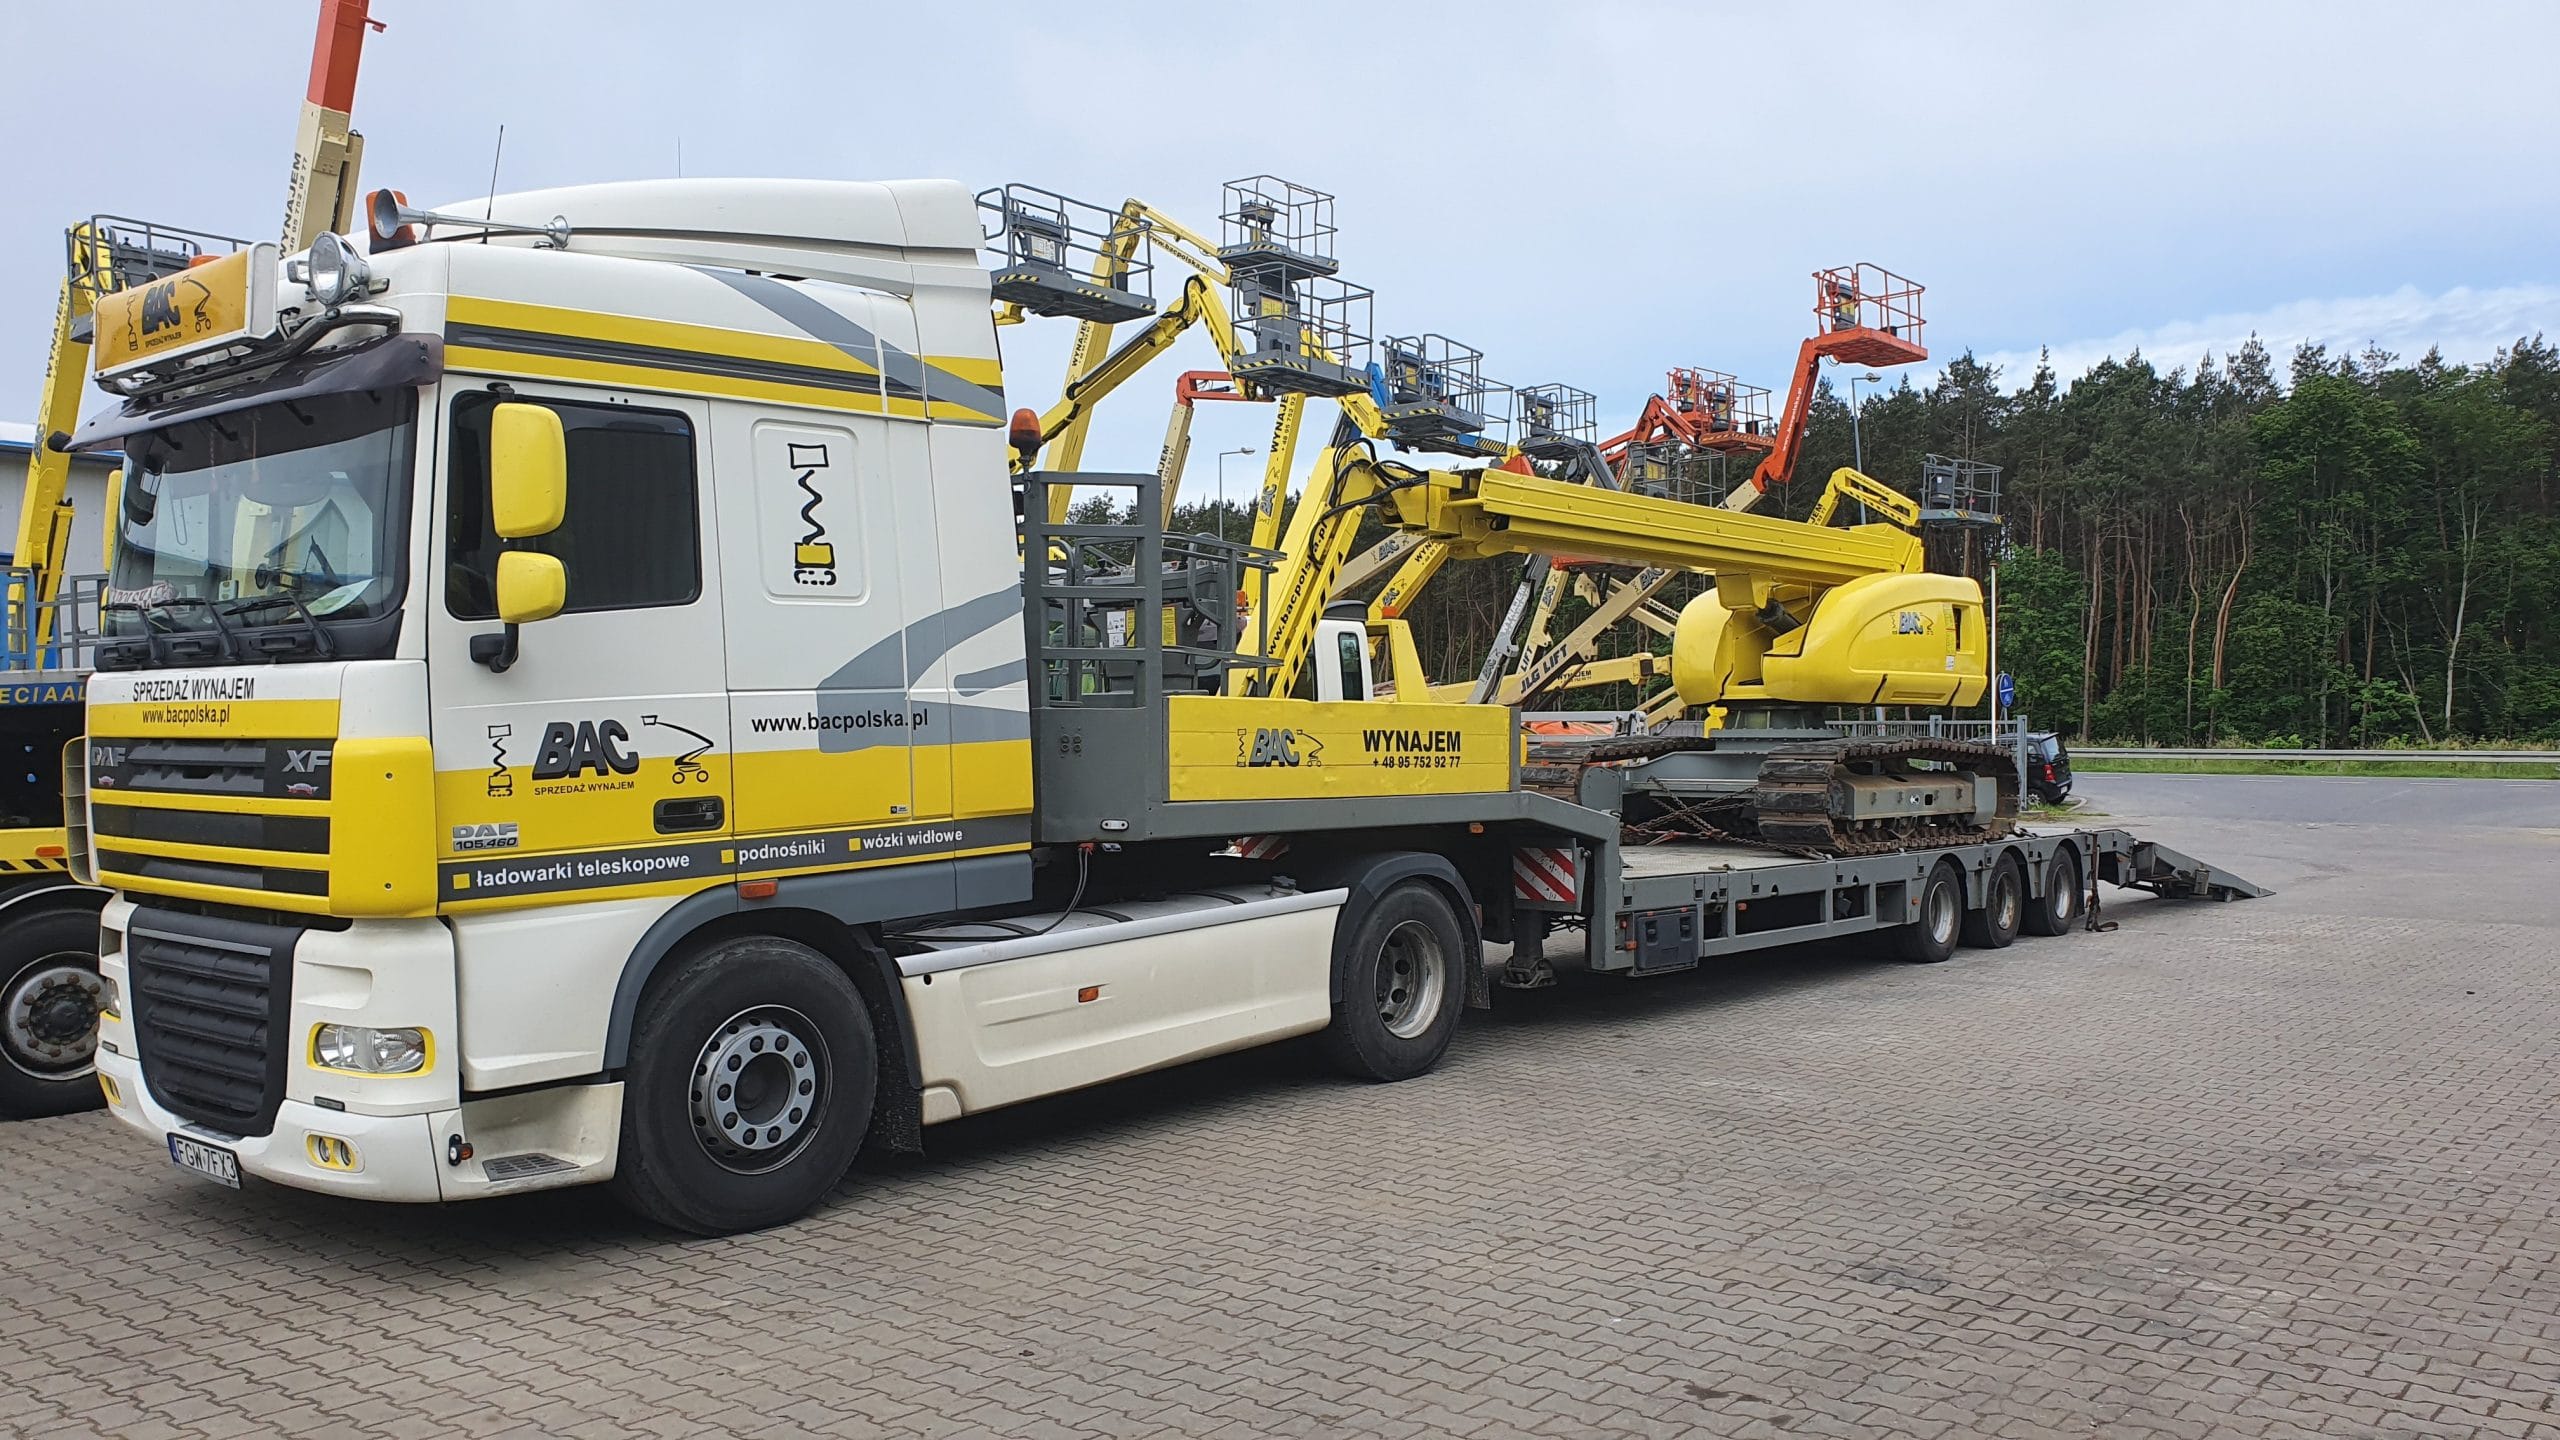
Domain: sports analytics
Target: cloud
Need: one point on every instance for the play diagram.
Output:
(2467, 325)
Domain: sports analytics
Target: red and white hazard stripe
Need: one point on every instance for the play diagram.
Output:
(1546, 872)
(1261, 847)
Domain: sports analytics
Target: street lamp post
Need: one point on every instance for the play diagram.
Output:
(1857, 446)
(1222, 485)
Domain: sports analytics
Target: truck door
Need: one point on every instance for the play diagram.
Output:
(597, 765)
(818, 566)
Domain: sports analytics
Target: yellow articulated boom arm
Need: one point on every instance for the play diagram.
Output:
(1905, 633)
(44, 509)
(1848, 484)
(1062, 429)
(1500, 512)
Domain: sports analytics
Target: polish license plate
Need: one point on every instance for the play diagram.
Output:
(210, 1161)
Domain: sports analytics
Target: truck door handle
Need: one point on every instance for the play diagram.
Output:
(676, 817)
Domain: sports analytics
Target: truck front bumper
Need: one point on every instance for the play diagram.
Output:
(539, 1140)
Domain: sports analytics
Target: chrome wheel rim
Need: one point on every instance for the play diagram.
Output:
(2005, 900)
(757, 1089)
(1942, 913)
(1412, 975)
(2064, 892)
(49, 1017)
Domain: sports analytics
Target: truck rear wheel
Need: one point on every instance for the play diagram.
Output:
(2004, 900)
(2058, 908)
(1931, 936)
(753, 1072)
(50, 995)
(1403, 986)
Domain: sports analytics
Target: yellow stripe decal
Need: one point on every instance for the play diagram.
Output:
(611, 349)
(220, 719)
(490, 877)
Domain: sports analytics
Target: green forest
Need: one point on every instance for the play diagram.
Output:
(2356, 551)
(2350, 551)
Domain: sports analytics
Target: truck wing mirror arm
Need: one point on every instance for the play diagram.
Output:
(498, 651)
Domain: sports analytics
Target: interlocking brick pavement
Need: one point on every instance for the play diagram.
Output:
(2287, 1168)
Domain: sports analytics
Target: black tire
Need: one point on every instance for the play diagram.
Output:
(783, 1025)
(1931, 936)
(2058, 909)
(49, 997)
(1404, 985)
(2004, 903)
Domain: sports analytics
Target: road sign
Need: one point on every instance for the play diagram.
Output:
(2008, 691)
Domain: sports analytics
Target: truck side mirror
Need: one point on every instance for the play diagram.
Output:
(115, 514)
(528, 471)
(531, 586)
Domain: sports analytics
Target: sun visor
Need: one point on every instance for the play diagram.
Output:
(389, 363)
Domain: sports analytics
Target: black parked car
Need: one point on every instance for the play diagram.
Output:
(2048, 767)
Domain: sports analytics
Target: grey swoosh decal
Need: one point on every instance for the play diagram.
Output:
(887, 669)
(902, 371)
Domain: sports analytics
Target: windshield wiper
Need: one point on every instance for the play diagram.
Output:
(212, 614)
(320, 641)
(154, 615)
(141, 612)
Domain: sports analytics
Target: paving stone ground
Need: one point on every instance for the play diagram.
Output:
(2284, 1168)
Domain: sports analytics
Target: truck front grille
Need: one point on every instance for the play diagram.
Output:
(211, 997)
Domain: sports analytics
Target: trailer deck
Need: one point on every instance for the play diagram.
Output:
(1678, 903)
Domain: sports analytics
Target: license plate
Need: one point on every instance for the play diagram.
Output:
(210, 1161)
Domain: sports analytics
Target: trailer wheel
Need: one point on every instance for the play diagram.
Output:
(2004, 901)
(753, 1072)
(2058, 908)
(50, 995)
(1931, 937)
(1404, 984)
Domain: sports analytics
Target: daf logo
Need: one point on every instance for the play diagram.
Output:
(500, 836)
(107, 756)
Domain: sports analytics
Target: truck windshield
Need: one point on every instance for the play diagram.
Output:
(287, 515)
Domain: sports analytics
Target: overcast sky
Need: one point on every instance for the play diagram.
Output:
(1587, 192)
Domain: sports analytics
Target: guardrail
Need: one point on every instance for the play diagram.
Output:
(2477, 757)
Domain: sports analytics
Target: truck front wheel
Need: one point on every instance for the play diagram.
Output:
(1403, 986)
(50, 995)
(753, 1072)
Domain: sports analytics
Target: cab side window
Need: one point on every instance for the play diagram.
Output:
(633, 536)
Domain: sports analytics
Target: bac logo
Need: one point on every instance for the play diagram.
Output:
(1274, 746)
(574, 749)
(160, 306)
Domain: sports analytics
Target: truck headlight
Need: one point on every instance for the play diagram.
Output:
(338, 271)
(367, 1051)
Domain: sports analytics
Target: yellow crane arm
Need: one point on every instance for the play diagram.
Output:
(1198, 304)
(1633, 669)
(1500, 512)
(1493, 511)
(1849, 484)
